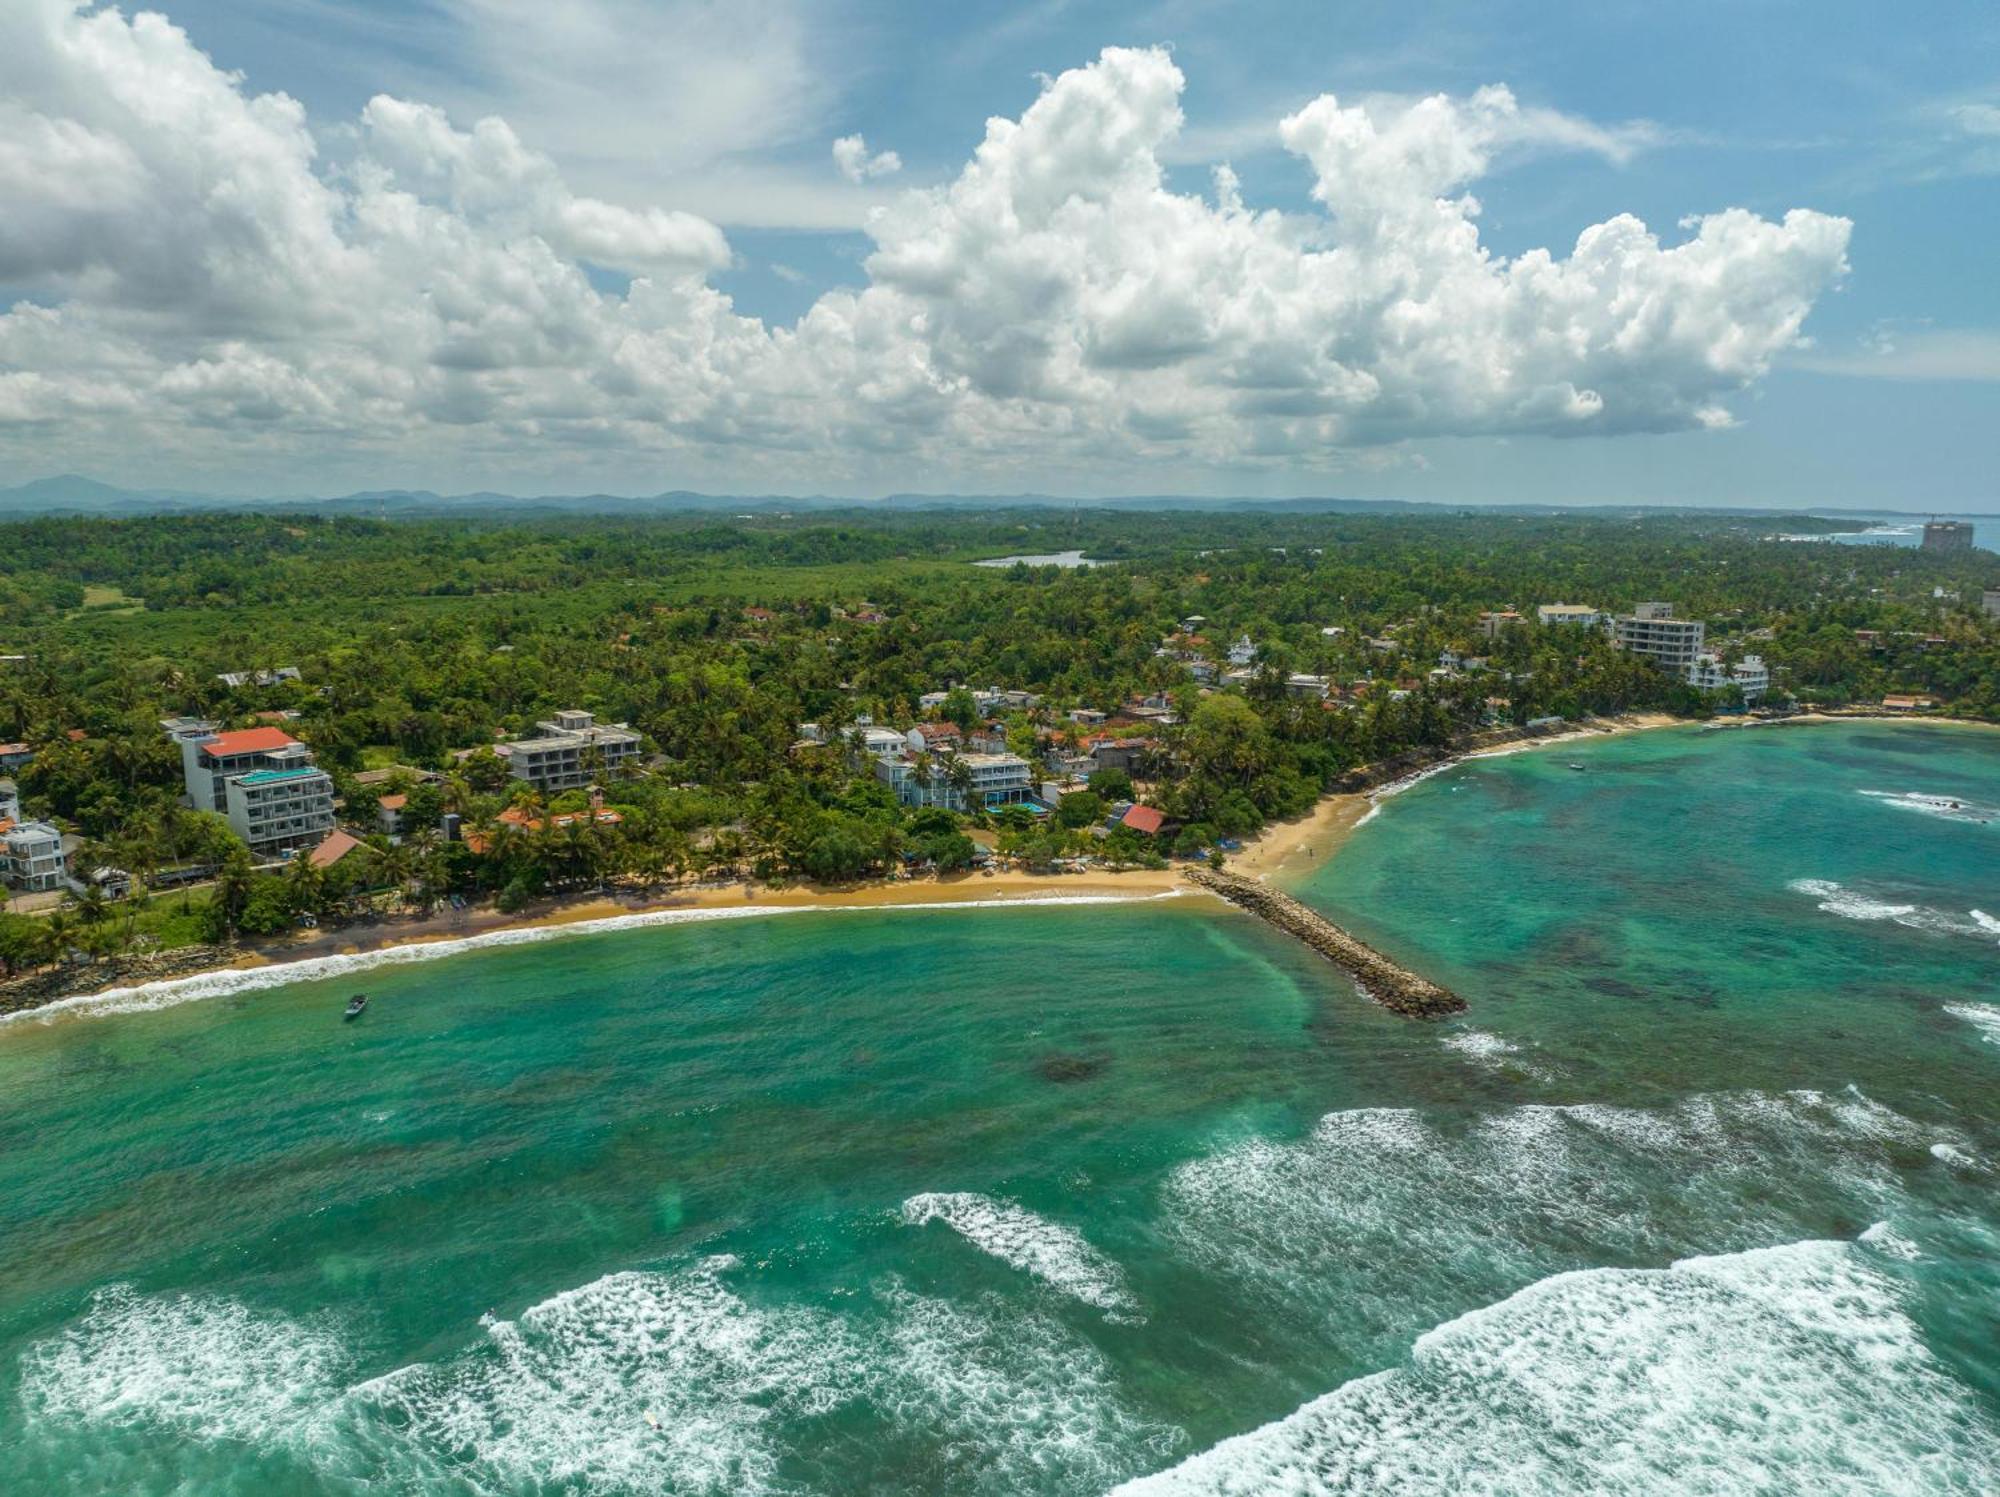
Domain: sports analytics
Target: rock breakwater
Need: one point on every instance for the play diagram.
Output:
(1395, 987)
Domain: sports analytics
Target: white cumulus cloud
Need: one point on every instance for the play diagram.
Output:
(213, 282)
(850, 154)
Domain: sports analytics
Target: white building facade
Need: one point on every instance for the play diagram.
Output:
(31, 856)
(1651, 630)
(1708, 673)
(265, 782)
(571, 751)
(996, 780)
(1580, 615)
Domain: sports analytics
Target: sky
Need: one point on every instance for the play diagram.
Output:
(1713, 252)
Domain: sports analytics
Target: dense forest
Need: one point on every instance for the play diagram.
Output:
(717, 638)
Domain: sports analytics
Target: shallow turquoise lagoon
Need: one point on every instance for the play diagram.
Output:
(1700, 1195)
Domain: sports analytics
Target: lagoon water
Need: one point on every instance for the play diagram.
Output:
(1700, 1196)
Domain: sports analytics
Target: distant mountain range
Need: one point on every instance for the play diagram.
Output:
(72, 494)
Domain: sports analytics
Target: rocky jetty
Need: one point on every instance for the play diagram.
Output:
(1395, 988)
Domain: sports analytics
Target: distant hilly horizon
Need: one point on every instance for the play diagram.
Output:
(76, 494)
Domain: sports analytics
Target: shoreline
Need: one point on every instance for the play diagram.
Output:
(1275, 857)
(1280, 855)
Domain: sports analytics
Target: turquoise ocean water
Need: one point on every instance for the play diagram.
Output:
(1700, 1196)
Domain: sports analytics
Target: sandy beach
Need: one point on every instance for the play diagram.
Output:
(1284, 852)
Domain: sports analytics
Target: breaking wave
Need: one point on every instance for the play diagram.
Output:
(1057, 1255)
(1984, 1017)
(1492, 1053)
(1789, 1368)
(1322, 1233)
(1849, 904)
(1946, 807)
(638, 1381)
(205, 1369)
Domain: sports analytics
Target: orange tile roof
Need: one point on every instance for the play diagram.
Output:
(1147, 819)
(248, 741)
(393, 802)
(332, 848)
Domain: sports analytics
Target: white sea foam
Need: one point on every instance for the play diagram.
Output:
(1396, 787)
(1322, 1229)
(1013, 1402)
(1057, 1255)
(561, 1396)
(187, 1366)
(1850, 904)
(1886, 1239)
(637, 1381)
(1492, 1053)
(1479, 1045)
(170, 992)
(1781, 1369)
(1945, 807)
(1984, 1017)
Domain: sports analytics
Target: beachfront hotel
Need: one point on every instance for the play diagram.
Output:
(996, 780)
(263, 780)
(572, 750)
(1708, 673)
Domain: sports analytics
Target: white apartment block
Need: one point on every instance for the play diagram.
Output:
(31, 856)
(1652, 630)
(10, 801)
(571, 751)
(265, 781)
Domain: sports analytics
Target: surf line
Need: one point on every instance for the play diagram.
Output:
(1395, 987)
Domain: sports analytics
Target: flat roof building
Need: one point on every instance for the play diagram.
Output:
(572, 749)
(1551, 614)
(265, 782)
(31, 856)
(994, 780)
(1651, 630)
(1708, 673)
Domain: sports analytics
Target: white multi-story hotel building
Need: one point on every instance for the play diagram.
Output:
(1708, 673)
(31, 856)
(278, 810)
(572, 749)
(265, 781)
(997, 780)
(1652, 630)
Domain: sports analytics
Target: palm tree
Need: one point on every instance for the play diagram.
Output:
(958, 774)
(305, 884)
(92, 907)
(427, 870)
